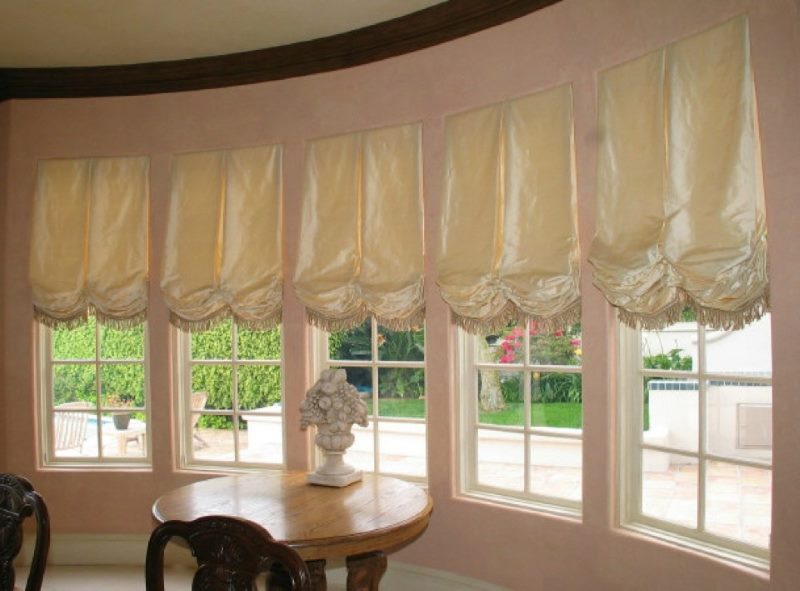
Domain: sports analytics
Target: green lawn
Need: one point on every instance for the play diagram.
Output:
(550, 414)
(399, 407)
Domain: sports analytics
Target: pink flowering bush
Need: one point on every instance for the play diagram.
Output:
(561, 347)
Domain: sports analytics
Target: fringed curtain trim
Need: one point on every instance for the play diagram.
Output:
(411, 322)
(204, 324)
(710, 317)
(513, 314)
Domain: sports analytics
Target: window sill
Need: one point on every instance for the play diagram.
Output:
(572, 511)
(760, 565)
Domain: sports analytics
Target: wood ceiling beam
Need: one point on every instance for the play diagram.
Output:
(434, 25)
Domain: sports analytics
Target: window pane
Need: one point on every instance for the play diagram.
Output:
(739, 418)
(747, 351)
(501, 459)
(261, 438)
(402, 448)
(360, 454)
(671, 413)
(555, 469)
(401, 392)
(355, 344)
(562, 347)
(259, 344)
(122, 344)
(406, 345)
(72, 383)
(556, 400)
(259, 386)
(738, 502)
(76, 343)
(122, 385)
(672, 348)
(213, 344)
(212, 438)
(669, 487)
(500, 397)
(216, 380)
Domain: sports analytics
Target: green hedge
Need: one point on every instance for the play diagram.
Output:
(258, 386)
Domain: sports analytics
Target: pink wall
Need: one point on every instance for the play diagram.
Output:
(569, 42)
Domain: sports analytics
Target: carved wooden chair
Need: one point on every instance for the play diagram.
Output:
(18, 501)
(231, 554)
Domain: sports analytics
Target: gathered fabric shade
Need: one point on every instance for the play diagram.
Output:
(361, 243)
(89, 243)
(223, 250)
(680, 218)
(509, 242)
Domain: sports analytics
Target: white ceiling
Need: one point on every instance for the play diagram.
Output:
(48, 33)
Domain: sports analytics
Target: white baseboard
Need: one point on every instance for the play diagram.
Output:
(129, 550)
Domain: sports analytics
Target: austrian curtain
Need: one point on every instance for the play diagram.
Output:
(361, 249)
(223, 253)
(680, 218)
(509, 241)
(89, 245)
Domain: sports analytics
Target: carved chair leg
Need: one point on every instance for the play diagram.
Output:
(318, 580)
(364, 571)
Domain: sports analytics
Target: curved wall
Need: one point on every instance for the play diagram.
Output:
(566, 43)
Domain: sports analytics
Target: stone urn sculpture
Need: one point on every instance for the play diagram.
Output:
(333, 406)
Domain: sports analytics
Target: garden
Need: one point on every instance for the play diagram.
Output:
(556, 396)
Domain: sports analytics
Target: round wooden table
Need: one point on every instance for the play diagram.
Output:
(360, 522)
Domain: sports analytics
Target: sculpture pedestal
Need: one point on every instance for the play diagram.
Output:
(334, 472)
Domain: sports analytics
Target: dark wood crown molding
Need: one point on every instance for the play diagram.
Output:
(425, 28)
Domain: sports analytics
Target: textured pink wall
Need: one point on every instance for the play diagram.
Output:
(569, 42)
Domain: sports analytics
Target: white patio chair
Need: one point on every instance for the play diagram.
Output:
(70, 427)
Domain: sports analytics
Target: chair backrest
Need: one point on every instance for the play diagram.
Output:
(231, 553)
(198, 403)
(70, 427)
(19, 501)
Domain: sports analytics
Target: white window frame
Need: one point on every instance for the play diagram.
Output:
(320, 355)
(631, 375)
(45, 374)
(183, 402)
(468, 424)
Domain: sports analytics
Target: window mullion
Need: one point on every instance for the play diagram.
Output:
(527, 406)
(701, 427)
(235, 389)
(99, 402)
(375, 389)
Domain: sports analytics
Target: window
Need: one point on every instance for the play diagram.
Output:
(94, 392)
(697, 435)
(388, 368)
(521, 415)
(231, 397)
